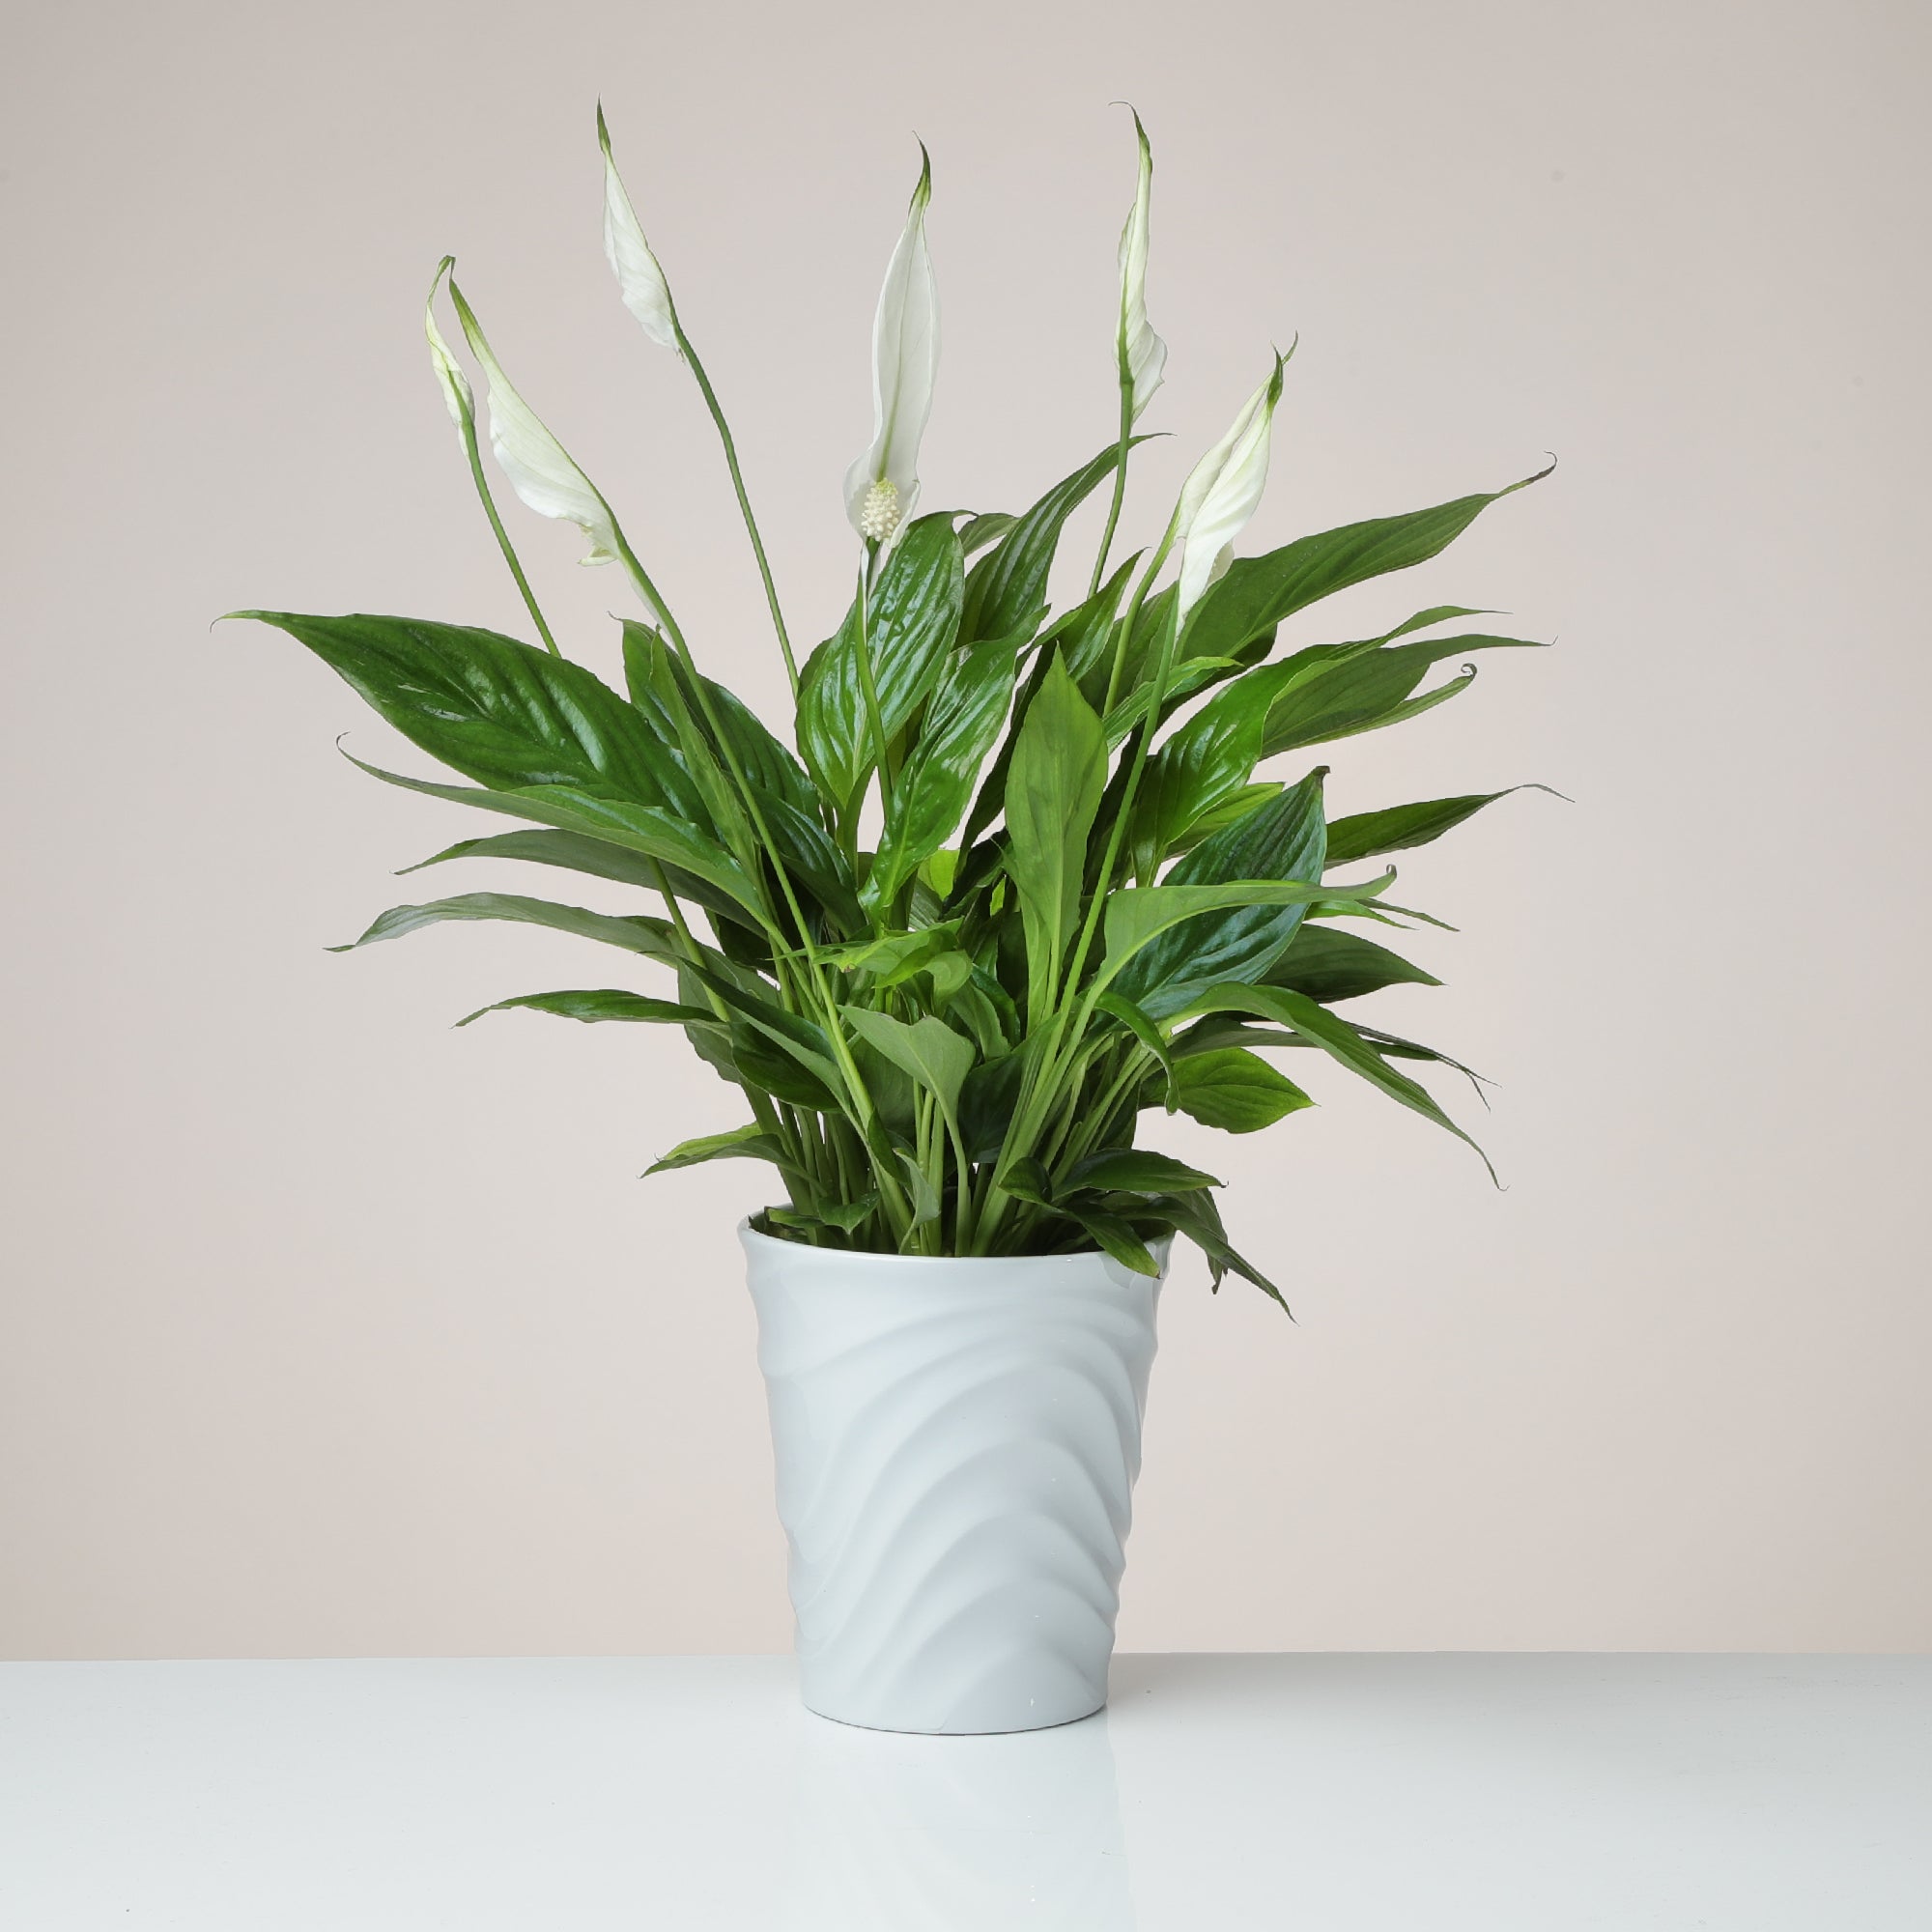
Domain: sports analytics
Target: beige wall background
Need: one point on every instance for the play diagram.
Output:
(328, 1329)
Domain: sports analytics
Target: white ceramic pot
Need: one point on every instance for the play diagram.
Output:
(957, 1444)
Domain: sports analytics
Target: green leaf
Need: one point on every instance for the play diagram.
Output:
(932, 790)
(570, 850)
(1136, 1171)
(1230, 938)
(908, 626)
(1197, 1216)
(845, 1215)
(986, 1102)
(803, 1041)
(1139, 913)
(1260, 592)
(1114, 1235)
(503, 713)
(1367, 835)
(1341, 1041)
(607, 1002)
(925, 1203)
(1119, 1007)
(928, 1049)
(1234, 1090)
(749, 1142)
(1202, 765)
(1010, 580)
(1053, 790)
(977, 532)
(768, 1063)
(1345, 697)
(635, 828)
(655, 938)
(1330, 965)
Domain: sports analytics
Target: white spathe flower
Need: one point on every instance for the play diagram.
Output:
(456, 395)
(641, 282)
(538, 467)
(882, 486)
(1143, 355)
(1221, 493)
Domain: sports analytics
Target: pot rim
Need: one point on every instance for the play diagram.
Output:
(1161, 1250)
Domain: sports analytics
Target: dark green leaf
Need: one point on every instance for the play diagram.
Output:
(1259, 592)
(1233, 1089)
(1136, 1171)
(1330, 965)
(1197, 1216)
(655, 938)
(1281, 839)
(1348, 696)
(635, 827)
(570, 850)
(1011, 579)
(986, 1104)
(1341, 1041)
(607, 1002)
(1114, 1235)
(500, 712)
(906, 629)
(1366, 834)
(1119, 1007)
(932, 790)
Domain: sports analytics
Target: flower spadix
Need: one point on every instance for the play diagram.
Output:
(539, 468)
(1222, 492)
(641, 282)
(882, 486)
(1143, 355)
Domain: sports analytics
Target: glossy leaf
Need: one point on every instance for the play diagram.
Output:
(1337, 1039)
(932, 792)
(503, 713)
(1362, 694)
(907, 627)
(633, 828)
(1010, 580)
(1398, 828)
(1233, 938)
(1260, 592)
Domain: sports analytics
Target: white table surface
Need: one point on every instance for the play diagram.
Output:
(1297, 1794)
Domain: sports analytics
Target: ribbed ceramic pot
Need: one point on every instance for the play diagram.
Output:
(956, 1443)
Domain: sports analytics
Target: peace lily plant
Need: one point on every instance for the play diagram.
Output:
(1025, 876)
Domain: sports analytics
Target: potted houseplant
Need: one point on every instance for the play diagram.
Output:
(1025, 879)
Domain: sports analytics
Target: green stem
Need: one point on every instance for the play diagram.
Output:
(502, 535)
(891, 1193)
(1120, 482)
(744, 499)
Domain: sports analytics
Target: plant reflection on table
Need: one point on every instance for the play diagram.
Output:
(896, 1834)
